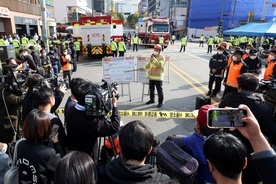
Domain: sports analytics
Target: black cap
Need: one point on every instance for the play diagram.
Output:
(31, 47)
(220, 48)
(253, 51)
(238, 52)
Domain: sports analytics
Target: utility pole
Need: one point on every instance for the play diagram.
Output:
(233, 15)
(44, 25)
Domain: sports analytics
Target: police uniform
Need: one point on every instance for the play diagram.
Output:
(210, 43)
(201, 40)
(121, 48)
(135, 43)
(183, 43)
(217, 64)
(253, 62)
(173, 39)
(114, 48)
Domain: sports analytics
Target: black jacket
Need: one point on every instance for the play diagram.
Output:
(83, 130)
(218, 62)
(117, 172)
(30, 61)
(36, 58)
(266, 169)
(253, 64)
(37, 162)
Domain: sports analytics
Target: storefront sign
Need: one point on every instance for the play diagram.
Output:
(48, 2)
(4, 11)
(24, 20)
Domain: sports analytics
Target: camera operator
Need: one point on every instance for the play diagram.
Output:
(10, 101)
(26, 58)
(34, 80)
(83, 130)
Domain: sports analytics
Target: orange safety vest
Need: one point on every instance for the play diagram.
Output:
(245, 55)
(233, 74)
(269, 70)
(67, 66)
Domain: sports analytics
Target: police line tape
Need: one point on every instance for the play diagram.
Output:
(149, 114)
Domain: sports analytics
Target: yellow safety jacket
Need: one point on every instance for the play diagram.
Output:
(173, 37)
(32, 42)
(77, 45)
(135, 40)
(24, 41)
(161, 40)
(155, 68)
(184, 40)
(114, 46)
(2, 42)
(210, 41)
(16, 43)
(122, 46)
(202, 38)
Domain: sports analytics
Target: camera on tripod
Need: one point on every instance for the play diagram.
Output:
(98, 102)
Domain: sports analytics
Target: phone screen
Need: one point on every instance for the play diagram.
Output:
(54, 130)
(225, 118)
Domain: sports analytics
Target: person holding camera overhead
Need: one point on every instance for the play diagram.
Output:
(155, 69)
(10, 103)
(66, 65)
(83, 130)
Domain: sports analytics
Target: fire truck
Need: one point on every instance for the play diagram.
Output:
(149, 29)
(96, 33)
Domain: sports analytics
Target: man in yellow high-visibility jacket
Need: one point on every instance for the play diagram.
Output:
(155, 69)
(114, 48)
(183, 43)
(161, 41)
(78, 48)
(173, 39)
(135, 42)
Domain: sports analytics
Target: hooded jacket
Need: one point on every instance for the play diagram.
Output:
(117, 172)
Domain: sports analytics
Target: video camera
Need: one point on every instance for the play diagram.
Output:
(267, 84)
(98, 102)
(52, 82)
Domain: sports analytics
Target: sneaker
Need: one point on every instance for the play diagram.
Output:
(159, 105)
(150, 102)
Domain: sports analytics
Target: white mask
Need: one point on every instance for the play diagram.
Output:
(247, 51)
(234, 58)
(220, 52)
(253, 57)
(271, 57)
(155, 53)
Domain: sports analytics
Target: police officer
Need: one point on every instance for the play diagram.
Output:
(121, 48)
(161, 42)
(210, 43)
(216, 64)
(201, 40)
(135, 42)
(183, 43)
(78, 48)
(16, 43)
(235, 69)
(253, 62)
(173, 39)
(114, 48)
(2, 41)
(155, 69)
(24, 40)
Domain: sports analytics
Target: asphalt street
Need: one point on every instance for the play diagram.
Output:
(188, 78)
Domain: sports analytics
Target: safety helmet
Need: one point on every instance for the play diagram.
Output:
(158, 47)
(224, 44)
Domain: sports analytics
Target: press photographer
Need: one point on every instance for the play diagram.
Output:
(36, 80)
(26, 59)
(86, 121)
(10, 102)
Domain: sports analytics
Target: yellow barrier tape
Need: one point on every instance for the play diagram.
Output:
(150, 114)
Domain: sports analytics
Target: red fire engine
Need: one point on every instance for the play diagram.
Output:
(151, 28)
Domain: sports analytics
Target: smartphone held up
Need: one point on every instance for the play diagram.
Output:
(225, 117)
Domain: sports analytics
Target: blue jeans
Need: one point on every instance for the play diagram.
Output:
(55, 68)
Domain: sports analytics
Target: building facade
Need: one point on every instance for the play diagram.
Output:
(24, 17)
(126, 7)
(68, 11)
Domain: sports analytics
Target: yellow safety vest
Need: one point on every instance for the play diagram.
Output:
(122, 46)
(15, 43)
(155, 68)
(24, 41)
(113, 46)
(135, 40)
(161, 40)
(77, 45)
(210, 41)
(173, 37)
(2, 42)
(32, 42)
(184, 41)
(202, 38)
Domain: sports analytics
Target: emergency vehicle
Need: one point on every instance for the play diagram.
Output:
(96, 33)
(63, 30)
(149, 29)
